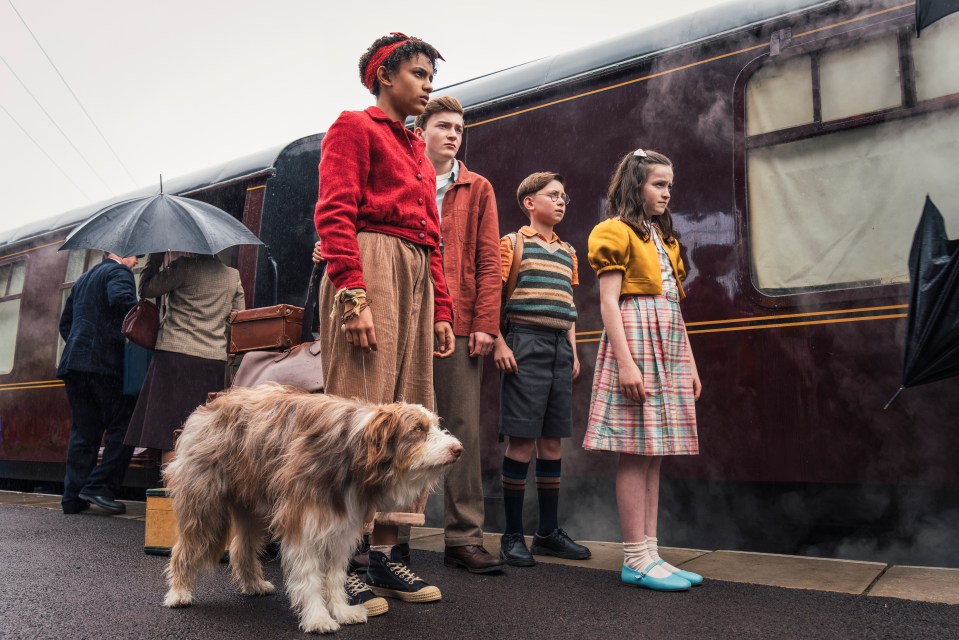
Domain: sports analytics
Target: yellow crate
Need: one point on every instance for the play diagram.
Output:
(160, 533)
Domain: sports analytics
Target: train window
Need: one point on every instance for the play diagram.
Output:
(779, 95)
(860, 79)
(79, 262)
(833, 203)
(12, 276)
(840, 210)
(936, 55)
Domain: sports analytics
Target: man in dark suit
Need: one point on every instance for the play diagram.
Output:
(92, 368)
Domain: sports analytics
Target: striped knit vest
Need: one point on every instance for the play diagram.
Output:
(544, 290)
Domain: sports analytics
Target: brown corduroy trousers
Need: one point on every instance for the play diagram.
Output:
(400, 294)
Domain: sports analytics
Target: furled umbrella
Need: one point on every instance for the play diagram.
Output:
(160, 223)
(932, 332)
(928, 11)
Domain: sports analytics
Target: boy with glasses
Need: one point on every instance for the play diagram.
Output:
(538, 361)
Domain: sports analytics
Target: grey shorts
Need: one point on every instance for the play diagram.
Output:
(538, 401)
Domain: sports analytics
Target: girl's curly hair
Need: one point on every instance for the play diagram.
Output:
(402, 53)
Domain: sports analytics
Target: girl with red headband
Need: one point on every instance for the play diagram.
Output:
(383, 300)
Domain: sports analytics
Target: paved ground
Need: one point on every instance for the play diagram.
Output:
(86, 576)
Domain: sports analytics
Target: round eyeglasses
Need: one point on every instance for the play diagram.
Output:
(556, 196)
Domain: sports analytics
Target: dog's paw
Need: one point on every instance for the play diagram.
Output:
(346, 614)
(178, 598)
(319, 624)
(261, 588)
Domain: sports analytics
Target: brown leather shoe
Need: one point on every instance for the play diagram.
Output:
(473, 558)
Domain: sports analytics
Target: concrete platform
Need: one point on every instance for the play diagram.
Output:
(136, 510)
(792, 572)
(925, 584)
(874, 579)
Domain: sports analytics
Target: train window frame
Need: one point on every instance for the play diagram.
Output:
(903, 31)
(7, 269)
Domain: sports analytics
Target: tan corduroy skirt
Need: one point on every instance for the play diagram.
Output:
(400, 293)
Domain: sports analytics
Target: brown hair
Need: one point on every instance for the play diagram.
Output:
(438, 105)
(533, 183)
(626, 194)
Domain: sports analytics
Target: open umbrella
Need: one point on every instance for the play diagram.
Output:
(932, 332)
(160, 223)
(928, 11)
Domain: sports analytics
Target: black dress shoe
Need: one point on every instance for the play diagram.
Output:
(75, 506)
(107, 504)
(473, 558)
(512, 549)
(558, 543)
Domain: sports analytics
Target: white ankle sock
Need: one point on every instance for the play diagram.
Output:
(652, 547)
(636, 557)
(385, 549)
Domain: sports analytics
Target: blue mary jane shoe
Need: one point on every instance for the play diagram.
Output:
(643, 579)
(694, 579)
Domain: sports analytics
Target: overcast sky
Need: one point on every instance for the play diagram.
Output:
(179, 85)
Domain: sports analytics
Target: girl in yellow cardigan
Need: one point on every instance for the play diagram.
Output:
(646, 384)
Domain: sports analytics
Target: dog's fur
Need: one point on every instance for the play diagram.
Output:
(308, 469)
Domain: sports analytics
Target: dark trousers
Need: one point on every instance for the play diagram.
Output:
(99, 408)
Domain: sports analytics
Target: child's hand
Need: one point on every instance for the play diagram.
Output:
(359, 331)
(444, 339)
(503, 357)
(697, 385)
(317, 255)
(631, 380)
(575, 366)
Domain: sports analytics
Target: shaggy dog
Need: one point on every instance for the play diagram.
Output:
(308, 469)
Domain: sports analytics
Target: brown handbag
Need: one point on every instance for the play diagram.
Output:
(299, 366)
(141, 324)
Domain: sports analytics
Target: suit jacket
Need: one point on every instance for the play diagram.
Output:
(92, 317)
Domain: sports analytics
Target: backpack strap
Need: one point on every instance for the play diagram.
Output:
(517, 239)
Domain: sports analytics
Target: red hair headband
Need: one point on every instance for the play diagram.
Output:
(378, 58)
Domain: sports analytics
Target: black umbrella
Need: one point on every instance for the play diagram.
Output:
(928, 11)
(932, 333)
(160, 223)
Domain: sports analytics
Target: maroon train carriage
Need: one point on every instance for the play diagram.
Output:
(271, 192)
(806, 136)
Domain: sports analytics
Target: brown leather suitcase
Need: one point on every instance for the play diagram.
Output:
(277, 327)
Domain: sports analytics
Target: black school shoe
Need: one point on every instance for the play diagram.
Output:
(512, 549)
(358, 593)
(558, 543)
(390, 577)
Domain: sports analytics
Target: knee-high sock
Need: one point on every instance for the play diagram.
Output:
(547, 490)
(514, 491)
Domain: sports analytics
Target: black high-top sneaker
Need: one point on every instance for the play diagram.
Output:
(358, 593)
(390, 577)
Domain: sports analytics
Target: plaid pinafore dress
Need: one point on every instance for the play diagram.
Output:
(666, 423)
